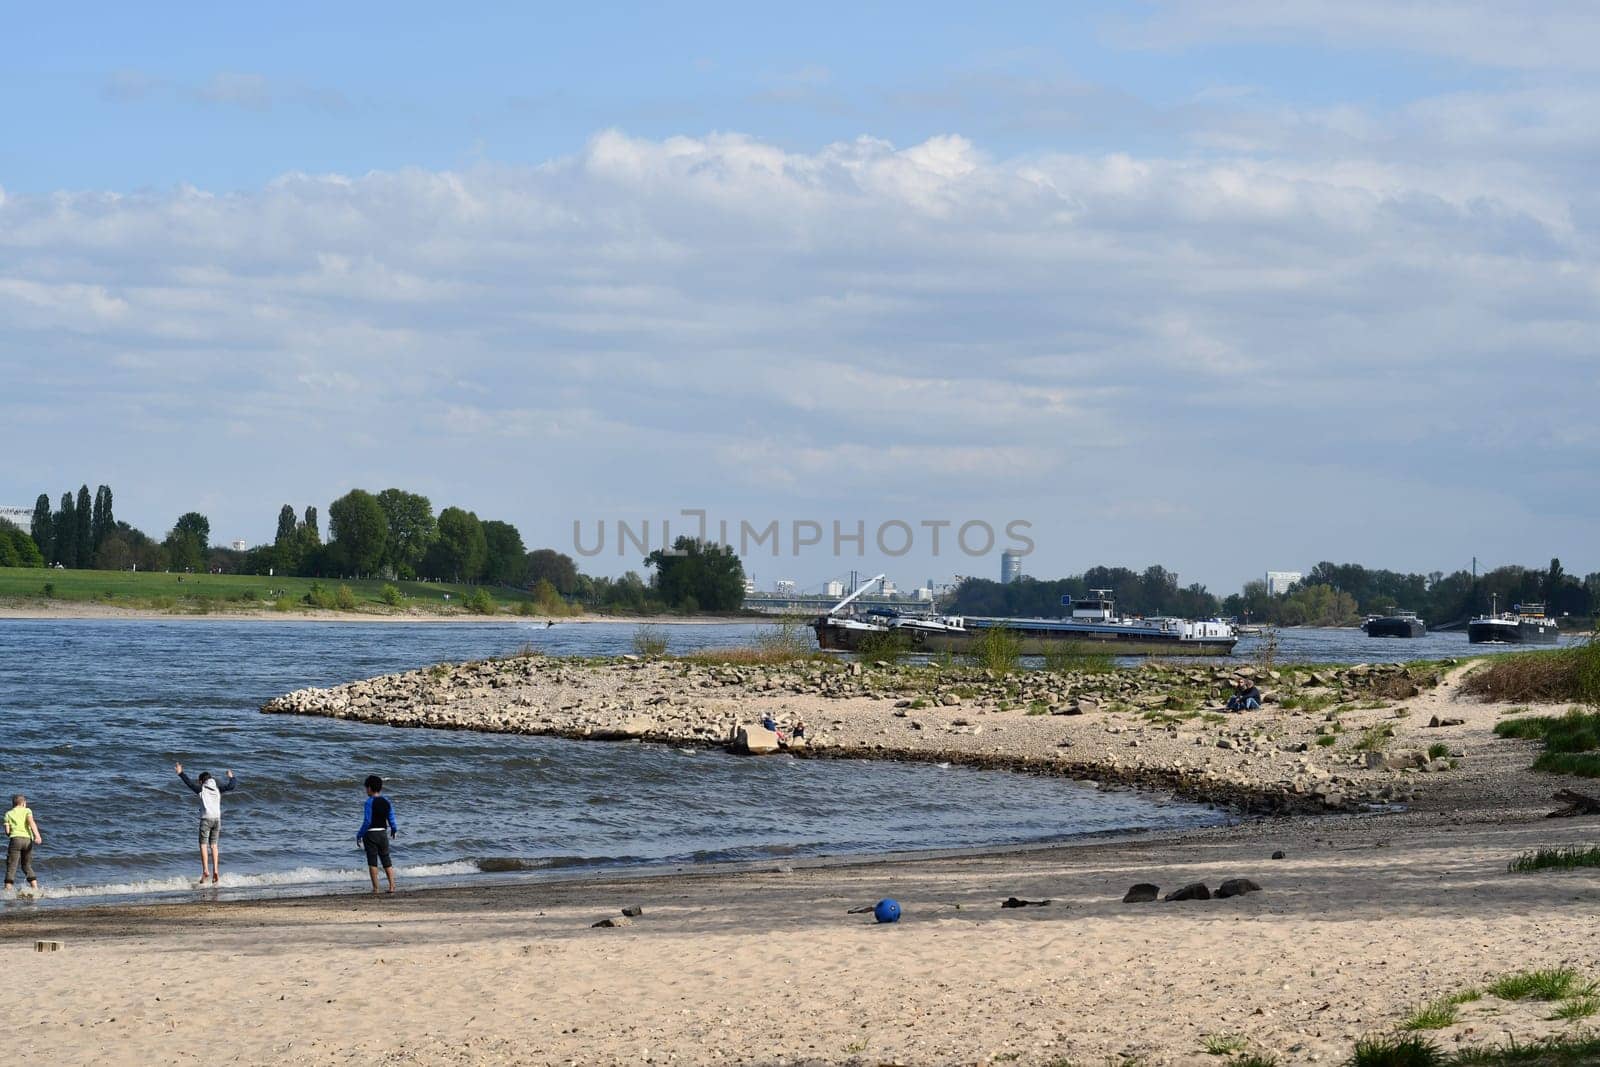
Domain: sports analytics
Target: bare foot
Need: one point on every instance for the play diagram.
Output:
(215, 878)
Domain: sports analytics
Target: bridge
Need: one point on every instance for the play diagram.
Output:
(809, 604)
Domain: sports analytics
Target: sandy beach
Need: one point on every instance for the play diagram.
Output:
(1366, 916)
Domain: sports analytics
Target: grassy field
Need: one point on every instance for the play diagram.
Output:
(185, 594)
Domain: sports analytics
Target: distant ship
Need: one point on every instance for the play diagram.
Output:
(1095, 627)
(1524, 624)
(1400, 624)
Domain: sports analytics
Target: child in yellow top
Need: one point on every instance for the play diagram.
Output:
(23, 834)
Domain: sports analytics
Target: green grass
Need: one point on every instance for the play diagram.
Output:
(1065, 661)
(1438, 750)
(1580, 1051)
(1327, 740)
(192, 593)
(998, 649)
(1222, 1044)
(1575, 1008)
(1571, 741)
(1397, 1051)
(1435, 1015)
(1375, 738)
(1554, 983)
(1254, 1059)
(1557, 859)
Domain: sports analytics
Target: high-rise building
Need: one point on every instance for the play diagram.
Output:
(1280, 582)
(833, 588)
(1010, 566)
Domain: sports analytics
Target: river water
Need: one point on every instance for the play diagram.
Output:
(96, 712)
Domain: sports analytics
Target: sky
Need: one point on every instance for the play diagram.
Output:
(1226, 287)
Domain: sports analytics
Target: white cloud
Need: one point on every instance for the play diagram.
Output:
(719, 320)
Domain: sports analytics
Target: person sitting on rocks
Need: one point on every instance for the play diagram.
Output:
(1246, 697)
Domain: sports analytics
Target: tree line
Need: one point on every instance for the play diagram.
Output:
(392, 534)
(1330, 594)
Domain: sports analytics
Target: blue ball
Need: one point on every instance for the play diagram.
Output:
(886, 911)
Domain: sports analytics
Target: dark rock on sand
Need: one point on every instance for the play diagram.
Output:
(1192, 891)
(633, 911)
(1142, 893)
(1236, 887)
(1278, 855)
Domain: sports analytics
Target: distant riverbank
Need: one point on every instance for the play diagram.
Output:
(13, 608)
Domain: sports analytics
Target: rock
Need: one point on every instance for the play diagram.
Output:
(1141, 893)
(949, 700)
(1236, 887)
(1278, 855)
(633, 911)
(1192, 891)
(1018, 902)
(753, 740)
(615, 920)
(1437, 722)
(1436, 765)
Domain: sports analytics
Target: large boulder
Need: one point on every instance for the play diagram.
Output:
(1236, 887)
(1142, 893)
(1192, 891)
(753, 740)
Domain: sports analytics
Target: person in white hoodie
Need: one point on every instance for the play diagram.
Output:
(210, 792)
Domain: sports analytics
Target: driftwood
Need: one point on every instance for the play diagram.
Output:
(1576, 804)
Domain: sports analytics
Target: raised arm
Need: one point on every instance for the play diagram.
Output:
(194, 787)
(228, 786)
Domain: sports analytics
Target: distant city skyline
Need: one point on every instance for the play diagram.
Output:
(1213, 286)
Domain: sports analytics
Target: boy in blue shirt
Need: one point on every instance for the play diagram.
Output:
(377, 827)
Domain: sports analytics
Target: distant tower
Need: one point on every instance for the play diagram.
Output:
(1011, 566)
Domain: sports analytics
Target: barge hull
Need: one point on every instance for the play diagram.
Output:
(1033, 644)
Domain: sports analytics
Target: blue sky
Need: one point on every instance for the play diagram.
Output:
(1119, 271)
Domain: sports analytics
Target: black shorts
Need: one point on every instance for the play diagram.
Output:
(376, 842)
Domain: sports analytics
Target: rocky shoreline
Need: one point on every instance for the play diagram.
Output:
(1343, 738)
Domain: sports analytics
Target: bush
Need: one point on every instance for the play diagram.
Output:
(1063, 660)
(391, 596)
(891, 646)
(1522, 677)
(49, 590)
(480, 602)
(283, 603)
(790, 640)
(650, 641)
(345, 598)
(998, 649)
(318, 597)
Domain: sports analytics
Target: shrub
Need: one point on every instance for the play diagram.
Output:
(345, 598)
(318, 597)
(1438, 750)
(283, 603)
(49, 590)
(650, 641)
(480, 602)
(525, 608)
(790, 640)
(998, 649)
(1561, 674)
(891, 646)
(391, 596)
(1063, 660)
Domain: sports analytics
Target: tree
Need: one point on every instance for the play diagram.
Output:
(287, 526)
(505, 561)
(43, 527)
(187, 542)
(64, 532)
(18, 549)
(84, 530)
(548, 565)
(459, 552)
(314, 536)
(411, 529)
(358, 531)
(698, 576)
(101, 521)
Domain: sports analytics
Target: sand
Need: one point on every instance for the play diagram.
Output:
(1365, 917)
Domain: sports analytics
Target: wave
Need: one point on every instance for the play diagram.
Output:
(300, 876)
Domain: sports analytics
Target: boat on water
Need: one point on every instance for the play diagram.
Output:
(1524, 624)
(1400, 624)
(1093, 627)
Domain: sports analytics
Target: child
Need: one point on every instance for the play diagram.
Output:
(210, 791)
(23, 833)
(377, 827)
